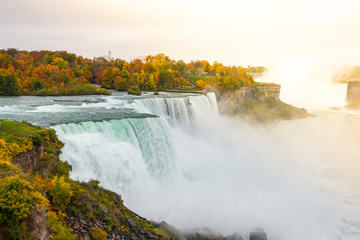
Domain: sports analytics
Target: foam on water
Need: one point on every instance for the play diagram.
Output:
(193, 168)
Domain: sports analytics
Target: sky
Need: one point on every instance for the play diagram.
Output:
(234, 32)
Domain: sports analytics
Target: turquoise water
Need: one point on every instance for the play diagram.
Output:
(174, 158)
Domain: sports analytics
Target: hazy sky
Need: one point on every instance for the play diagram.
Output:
(256, 32)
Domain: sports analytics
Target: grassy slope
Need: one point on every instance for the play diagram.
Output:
(70, 208)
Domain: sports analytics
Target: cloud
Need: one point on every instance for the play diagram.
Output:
(233, 32)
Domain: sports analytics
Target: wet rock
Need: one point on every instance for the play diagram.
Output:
(208, 234)
(150, 235)
(235, 236)
(171, 231)
(83, 222)
(132, 222)
(37, 224)
(258, 235)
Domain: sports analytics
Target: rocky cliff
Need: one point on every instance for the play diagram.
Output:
(353, 94)
(228, 100)
(353, 91)
(260, 103)
(38, 200)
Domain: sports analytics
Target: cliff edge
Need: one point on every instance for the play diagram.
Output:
(353, 94)
(38, 200)
(260, 103)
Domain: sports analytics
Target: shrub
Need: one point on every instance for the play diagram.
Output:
(98, 234)
(60, 192)
(201, 84)
(17, 196)
(134, 90)
(41, 92)
(102, 91)
(59, 230)
(11, 149)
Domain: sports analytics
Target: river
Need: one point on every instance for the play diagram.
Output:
(173, 157)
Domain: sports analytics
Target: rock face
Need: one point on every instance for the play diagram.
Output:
(353, 91)
(196, 234)
(37, 224)
(260, 103)
(30, 159)
(79, 212)
(258, 236)
(227, 100)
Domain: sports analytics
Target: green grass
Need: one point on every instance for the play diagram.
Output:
(10, 131)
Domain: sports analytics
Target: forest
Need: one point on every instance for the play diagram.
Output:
(60, 73)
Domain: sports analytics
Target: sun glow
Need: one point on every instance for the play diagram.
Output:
(233, 32)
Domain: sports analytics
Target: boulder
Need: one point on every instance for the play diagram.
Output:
(259, 235)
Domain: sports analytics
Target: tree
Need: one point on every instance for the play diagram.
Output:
(121, 84)
(164, 78)
(125, 74)
(9, 85)
(150, 84)
(182, 68)
(61, 63)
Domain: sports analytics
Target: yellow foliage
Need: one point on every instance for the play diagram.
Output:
(125, 229)
(17, 196)
(98, 234)
(201, 84)
(48, 156)
(61, 192)
(9, 150)
(59, 230)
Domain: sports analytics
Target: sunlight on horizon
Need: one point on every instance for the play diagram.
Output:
(273, 34)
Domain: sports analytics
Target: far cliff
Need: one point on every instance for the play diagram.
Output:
(260, 103)
(353, 94)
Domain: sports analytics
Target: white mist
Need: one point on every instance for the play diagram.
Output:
(296, 179)
(306, 81)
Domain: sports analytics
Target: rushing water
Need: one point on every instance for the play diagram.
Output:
(174, 158)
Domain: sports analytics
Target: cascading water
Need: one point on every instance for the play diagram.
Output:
(121, 153)
(178, 111)
(118, 152)
(193, 168)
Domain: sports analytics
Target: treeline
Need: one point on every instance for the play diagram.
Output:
(218, 76)
(149, 73)
(348, 73)
(45, 73)
(63, 73)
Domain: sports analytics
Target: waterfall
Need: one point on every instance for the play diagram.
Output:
(118, 152)
(192, 168)
(124, 152)
(204, 108)
(180, 112)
